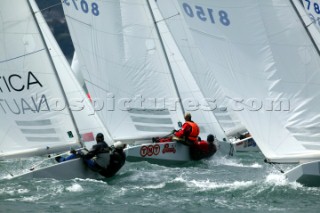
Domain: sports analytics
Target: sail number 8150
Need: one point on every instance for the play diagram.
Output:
(204, 15)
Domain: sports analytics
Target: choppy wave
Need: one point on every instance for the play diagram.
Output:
(209, 185)
(74, 188)
(228, 161)
(219, 184)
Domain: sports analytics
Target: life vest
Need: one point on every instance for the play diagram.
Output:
(193, 136)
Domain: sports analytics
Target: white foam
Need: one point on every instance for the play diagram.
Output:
(91, 180)
(276, 179)
(146, 175)
(216, 185)
(158, 186)
(179, 179)
(256, 165)
(12, 191)
(7, 191)
(208, 185)
(23, 191)
(26, 199)
(233, 162)
(7, 176)
(31, 199)
(75, 188)
(279, 179)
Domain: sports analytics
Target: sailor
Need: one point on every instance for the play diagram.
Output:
(203, 149)
(188, 134)
(117, 160)
(99, 156)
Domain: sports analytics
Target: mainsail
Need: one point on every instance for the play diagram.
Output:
(266, 62)
(126, 71)
(87, 121)
(193, 99)
(195, 62)
(34, 111)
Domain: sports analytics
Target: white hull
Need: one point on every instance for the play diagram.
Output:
(308, 174)
(64, 171)
(246, 148)
(168, 152)
(245, 145)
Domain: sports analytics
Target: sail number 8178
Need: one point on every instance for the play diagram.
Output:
(206, 14)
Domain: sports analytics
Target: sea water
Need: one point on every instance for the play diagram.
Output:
(242, 183)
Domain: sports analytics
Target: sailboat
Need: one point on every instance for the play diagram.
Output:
(229, 122)
(267, 56)
(120, 47)
(43, 108)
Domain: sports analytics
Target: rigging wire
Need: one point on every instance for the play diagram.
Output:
(275, 165)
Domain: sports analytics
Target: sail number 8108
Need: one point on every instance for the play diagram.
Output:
(205, 14)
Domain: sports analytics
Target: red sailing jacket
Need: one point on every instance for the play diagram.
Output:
(189, 129)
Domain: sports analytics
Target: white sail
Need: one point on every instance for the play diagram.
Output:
(29, 122)
(88, 123)
(192, 56)
(193, 99)
(32, 123)
(267, 63)
(125, 67)
(75, 66)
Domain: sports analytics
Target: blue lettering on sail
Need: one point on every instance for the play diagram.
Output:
(314, 10)
(204, 14)
(314, 19)
(83, 6)
(315, 5)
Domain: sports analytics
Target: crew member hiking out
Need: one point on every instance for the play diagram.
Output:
(203, 149)
(100, 150)
(117, 159)
(99, 158)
